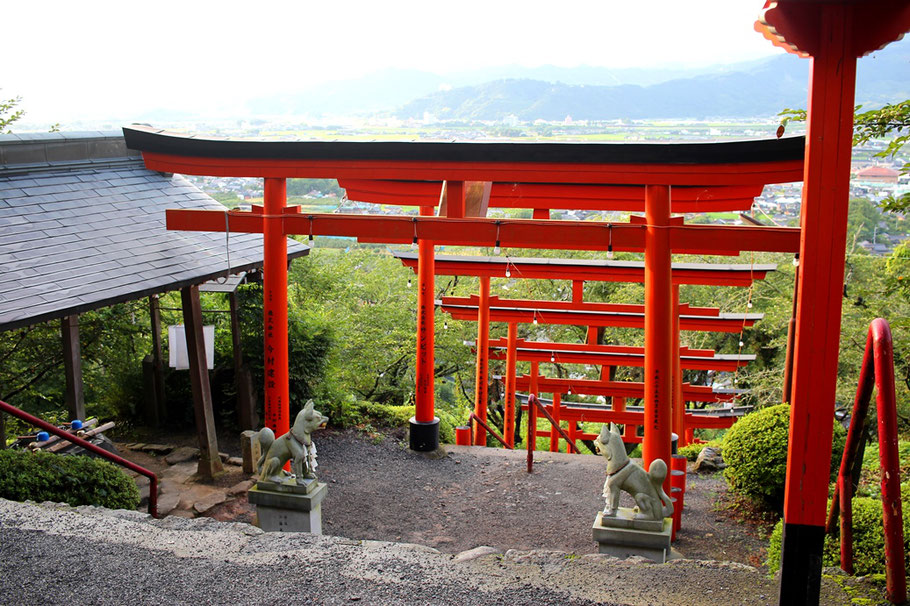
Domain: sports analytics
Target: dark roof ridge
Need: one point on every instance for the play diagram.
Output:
(38, 152)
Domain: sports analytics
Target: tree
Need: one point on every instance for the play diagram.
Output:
(7, 113)
(892, 119)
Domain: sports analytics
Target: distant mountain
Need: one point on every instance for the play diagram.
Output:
(760, 89)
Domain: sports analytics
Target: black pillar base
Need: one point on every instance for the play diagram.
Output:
(424, 437)
(801, 564)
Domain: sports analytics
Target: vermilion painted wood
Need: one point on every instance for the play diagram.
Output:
(513, 233)
(679, 403)
(824, 208)
(724, 323)
(624, 389)
(658, 325)
(275, 307)
(483, 353)
(585, 347)
(509, 405)
(576, 305)
(617, 359)
(634, 418)
(753, 173)
(425, 369)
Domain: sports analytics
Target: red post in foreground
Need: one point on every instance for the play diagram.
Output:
(424, 435)
(509, 406)
(483, 355)
(659, 344)
(275, 307)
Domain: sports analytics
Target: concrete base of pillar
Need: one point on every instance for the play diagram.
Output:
(424, 437)
(623, 541)
(289, 511)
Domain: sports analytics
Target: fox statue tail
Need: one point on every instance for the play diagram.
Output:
(657, 473)
(265, 437)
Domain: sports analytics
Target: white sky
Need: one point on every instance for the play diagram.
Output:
(68, 59)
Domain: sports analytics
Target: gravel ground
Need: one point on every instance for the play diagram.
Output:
(380, 490)
(55, 554)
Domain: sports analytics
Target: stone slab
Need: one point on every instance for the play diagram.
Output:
(626, 542)
(292, 486)
(287, 500)
(625, 518)
(182, 455)
(250, 449)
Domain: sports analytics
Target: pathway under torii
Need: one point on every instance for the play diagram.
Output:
(833, 33)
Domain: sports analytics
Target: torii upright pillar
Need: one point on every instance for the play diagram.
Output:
(659, 348)
(424, 434)
(483, 356)
(275, 306)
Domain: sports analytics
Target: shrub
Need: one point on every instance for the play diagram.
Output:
(691, 451)
(755, 451)
(361, 412)
(868, 538)
(77, 480)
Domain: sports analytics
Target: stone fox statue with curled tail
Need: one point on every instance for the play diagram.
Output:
(622, 474)
(295, 446)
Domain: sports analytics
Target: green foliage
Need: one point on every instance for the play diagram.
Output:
(9, 113)
(868, 538)
(755, 451)
(77, 480)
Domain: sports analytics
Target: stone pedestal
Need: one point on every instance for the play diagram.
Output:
(623, 536)
(289, 507)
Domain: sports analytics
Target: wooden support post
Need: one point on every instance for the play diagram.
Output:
(455, 199)
(72, 367)
(540, 214)
(658, 398)
(532, 416)
(209, 461)
(483, 354)
(578, 291)
(275, 307)
(246, 410)
(829, 131)
(424, 435)
(509, 406)
(554, 434)
(679, 405)
(158, 401)
(791, 337)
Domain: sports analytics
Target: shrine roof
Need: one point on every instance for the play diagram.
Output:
(83, 227)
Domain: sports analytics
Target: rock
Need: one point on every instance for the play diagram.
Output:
(709, 460)
(181, 455)
(224, 456)
(250, 448)
(158, 449)
(206, 503)
(477, 552)
(167, 502)
(182, 513)
(240, 487)
(236, 461)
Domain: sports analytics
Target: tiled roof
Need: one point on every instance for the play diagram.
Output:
(82, 226)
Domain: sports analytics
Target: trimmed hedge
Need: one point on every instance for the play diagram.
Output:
(755, 451)
(868, 538)
(77, 480)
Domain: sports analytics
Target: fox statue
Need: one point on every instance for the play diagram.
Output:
(622, 474)
(296, 446)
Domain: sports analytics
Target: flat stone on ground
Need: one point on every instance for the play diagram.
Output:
(209, 501)
(167, 502)
(181, 455)
(240, 487)
(158, 449)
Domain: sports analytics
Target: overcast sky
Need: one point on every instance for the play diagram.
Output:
(68, 59)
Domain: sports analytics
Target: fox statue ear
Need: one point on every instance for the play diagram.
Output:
(308, 409)
(614, 429)
(604, 434)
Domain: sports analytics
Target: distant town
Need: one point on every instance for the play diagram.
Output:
(873, 178)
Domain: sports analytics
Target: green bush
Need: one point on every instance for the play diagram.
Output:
(868, 538)
(77, 480)
(361, 412)
(755, 451)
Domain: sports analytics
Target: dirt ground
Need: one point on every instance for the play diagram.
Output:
(378, 489)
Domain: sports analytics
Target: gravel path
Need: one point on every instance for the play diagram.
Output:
(55, 554)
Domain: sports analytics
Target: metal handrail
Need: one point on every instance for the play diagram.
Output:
(65, 435)
(533, 406)
(878, 371)
(474, 417)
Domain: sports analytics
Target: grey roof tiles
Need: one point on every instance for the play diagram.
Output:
(82, 226)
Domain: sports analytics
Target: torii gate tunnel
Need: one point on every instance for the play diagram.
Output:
(833, 33)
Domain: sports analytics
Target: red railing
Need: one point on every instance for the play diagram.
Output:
(877, 371)
(475, 419)
(534, 406)
(65, 435)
